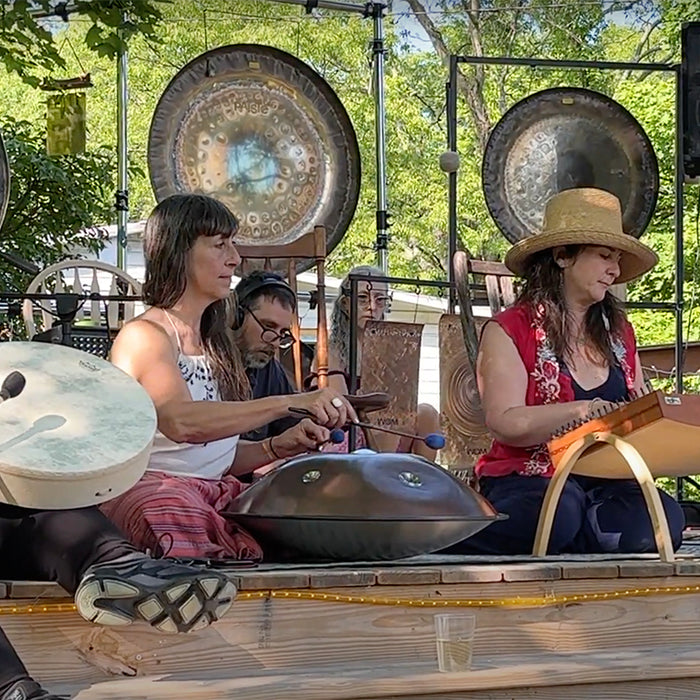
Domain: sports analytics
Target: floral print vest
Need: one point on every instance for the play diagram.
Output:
(546, 384)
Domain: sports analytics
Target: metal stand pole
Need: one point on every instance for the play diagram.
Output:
(678, 221)
(452, 182)
(122, 194)
(375, 10)
(378, 51)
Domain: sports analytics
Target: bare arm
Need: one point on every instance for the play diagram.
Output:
(638, 374)
(337, 380)
(146, 352)
(303, 437)
(502, 380)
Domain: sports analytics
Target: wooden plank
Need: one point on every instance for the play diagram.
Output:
(341, 579)
(34, 589)
(409, 576)
(531, 572)
(644, 570)
(287, 635)
(472, 574)
(520, 676)
(586, 570)
(687, 568)
(265, 580)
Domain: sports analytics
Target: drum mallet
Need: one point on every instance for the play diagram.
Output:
(12, 386)
(434, 441)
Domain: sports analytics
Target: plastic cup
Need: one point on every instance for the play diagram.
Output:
(454, 636)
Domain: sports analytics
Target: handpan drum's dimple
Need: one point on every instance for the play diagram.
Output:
(563, 138)
(260, 131)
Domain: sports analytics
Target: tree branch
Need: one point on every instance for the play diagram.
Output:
(471, 88)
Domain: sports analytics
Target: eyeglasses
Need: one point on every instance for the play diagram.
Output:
(285, 339)
(378, 300)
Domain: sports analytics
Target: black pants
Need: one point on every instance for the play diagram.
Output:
(57, 545)
(593, 516)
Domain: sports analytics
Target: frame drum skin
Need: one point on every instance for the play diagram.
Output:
(563, 138)
(262, 132)
(79, 434)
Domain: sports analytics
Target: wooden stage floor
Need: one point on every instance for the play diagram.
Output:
(610, 627)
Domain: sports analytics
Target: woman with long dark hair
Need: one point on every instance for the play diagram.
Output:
(373, 301)
(564, 348)
(181, 351)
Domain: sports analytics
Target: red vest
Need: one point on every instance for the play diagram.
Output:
(545, 385)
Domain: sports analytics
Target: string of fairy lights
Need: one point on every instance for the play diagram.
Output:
(547, 600)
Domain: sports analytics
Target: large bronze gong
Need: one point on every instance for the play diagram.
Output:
(262, 132)
(563, 138)
(4, 181)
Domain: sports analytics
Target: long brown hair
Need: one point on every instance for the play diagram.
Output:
(171, 230)
(339, 336)
(543, 292)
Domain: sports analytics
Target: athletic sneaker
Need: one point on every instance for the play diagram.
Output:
(27, 689)
(168, 596)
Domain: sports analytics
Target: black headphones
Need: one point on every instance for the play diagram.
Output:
(251, 285)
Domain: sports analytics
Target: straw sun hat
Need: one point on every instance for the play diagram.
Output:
(584, 216)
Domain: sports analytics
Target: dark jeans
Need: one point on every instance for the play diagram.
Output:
(56, 545)
(593, 516)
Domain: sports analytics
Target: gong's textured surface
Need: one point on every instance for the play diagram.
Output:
(360, 506)
(563, 138)
(259, 130)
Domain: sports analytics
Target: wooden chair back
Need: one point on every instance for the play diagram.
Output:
(311, 245)
(461, 416)
(82, 277)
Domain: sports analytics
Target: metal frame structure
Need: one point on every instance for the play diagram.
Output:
(374, 9)
(452, 95)
(354, 280)
(675, 307)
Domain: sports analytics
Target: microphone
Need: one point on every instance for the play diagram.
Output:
(12, 386)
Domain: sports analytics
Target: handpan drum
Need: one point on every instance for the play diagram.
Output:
(262, 132)
(361, 506)
(79, 434)
(563, 138)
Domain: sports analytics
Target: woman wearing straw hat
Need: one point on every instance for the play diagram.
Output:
(562, 348)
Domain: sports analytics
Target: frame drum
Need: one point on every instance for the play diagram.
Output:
(79, 434)
(262, 132)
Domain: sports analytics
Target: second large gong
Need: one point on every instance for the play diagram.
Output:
(563, 138)
(262, 132)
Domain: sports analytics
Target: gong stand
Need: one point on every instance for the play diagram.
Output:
(353, 369)
(376, 11)
(452, 95)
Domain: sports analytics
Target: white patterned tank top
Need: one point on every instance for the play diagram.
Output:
(209, 460)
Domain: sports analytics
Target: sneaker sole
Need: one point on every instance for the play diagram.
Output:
(181, 605)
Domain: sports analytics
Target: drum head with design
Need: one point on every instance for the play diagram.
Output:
(563, 138)
(79, 433)
(262, 132)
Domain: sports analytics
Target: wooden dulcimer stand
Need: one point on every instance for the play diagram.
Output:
(654, 435)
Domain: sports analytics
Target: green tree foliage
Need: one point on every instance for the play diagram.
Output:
(28, 46)
(54, 202)
(337, 45)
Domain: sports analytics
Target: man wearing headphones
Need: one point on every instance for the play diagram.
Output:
(266, 305)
